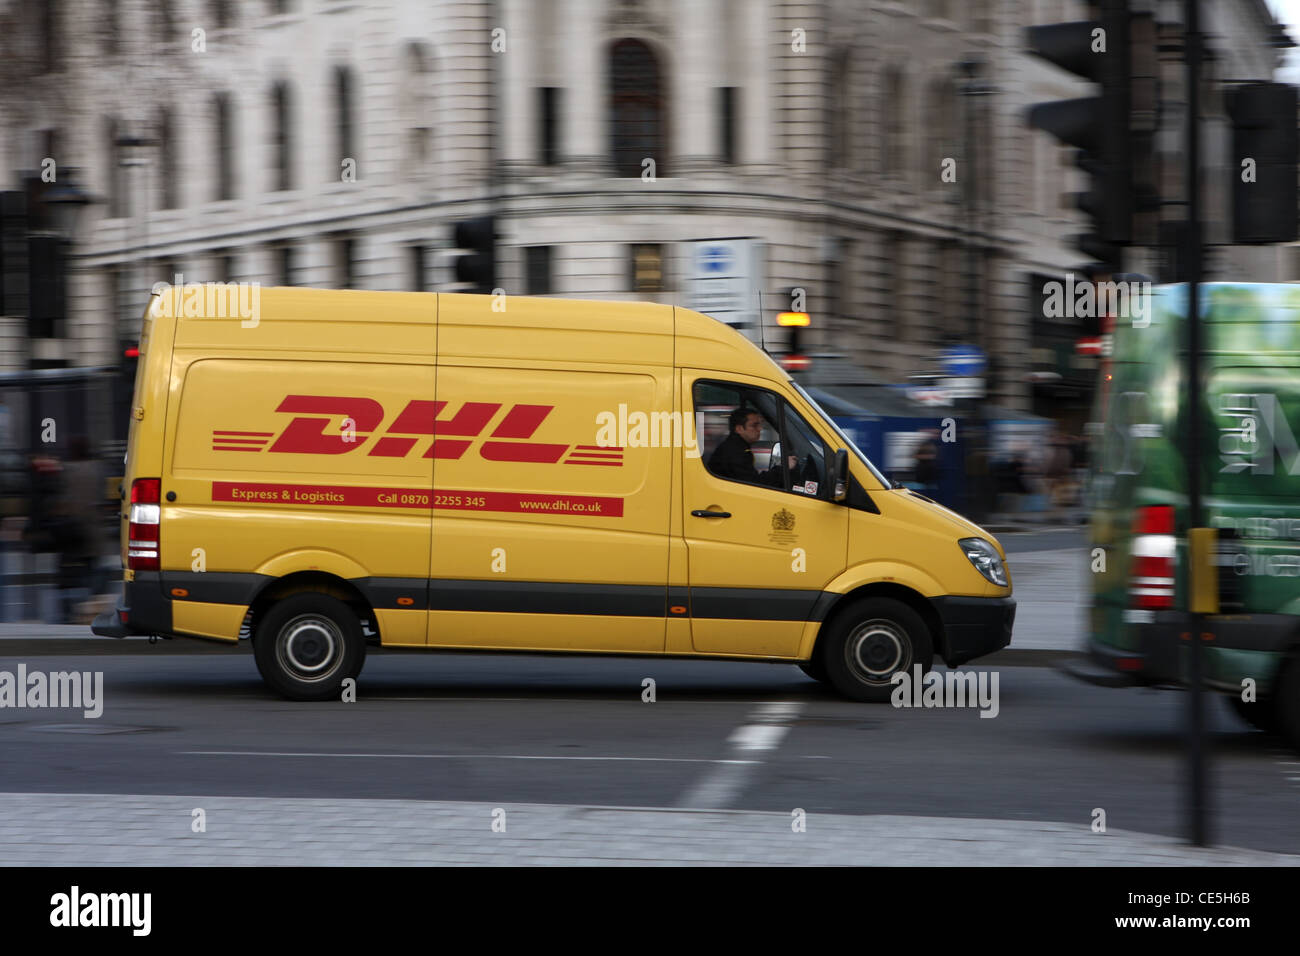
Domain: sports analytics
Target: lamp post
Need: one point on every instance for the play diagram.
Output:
(66, 202)
(52, 221)
(971, 88)
(978, 451)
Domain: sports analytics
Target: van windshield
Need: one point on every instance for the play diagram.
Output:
(839, 433)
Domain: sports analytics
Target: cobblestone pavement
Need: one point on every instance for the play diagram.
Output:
(102, 830)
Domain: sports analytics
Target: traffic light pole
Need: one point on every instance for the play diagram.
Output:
(1198, 822)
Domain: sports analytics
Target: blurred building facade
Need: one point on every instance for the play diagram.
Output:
(877, 148)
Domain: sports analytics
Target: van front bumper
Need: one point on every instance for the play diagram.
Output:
(973, 627)
(144, 609)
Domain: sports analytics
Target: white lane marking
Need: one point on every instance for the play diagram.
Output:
(777, 711)
(767, 727)
(273, 753)
(717, 789)
(540, 698)
(758, 736)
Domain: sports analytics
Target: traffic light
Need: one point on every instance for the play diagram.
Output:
(1265, 199)
(46, 285)
(13, 253)
(794, 359)
(1114, 131)
(477, 265)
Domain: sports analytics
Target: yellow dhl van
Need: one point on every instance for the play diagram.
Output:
(333, 469)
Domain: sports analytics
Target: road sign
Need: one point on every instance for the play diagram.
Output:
(960, 387)
(725, 278)
(963, 361)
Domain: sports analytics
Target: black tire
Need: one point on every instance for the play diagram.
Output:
(1286, 699)
(815, 669)
(869, 642)
(1260, 714)
(307, 645)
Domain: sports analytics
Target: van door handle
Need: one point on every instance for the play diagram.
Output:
(711, 514)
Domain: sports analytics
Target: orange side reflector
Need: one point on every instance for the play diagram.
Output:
(677, 609)
(180, 592)
(405, 601)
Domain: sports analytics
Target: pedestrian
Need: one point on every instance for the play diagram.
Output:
(1056, 470)
(80, 524)
(925, 466)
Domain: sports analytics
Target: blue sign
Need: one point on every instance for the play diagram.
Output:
(715, 259)
(962, 361)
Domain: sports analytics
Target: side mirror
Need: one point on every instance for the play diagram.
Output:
(841, 474)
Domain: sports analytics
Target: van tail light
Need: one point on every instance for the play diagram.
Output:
(143, 524)
(1152, 586)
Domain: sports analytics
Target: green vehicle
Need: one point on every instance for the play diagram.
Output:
(1250, 490)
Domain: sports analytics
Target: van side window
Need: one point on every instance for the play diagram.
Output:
(753, 436)
(801, 444)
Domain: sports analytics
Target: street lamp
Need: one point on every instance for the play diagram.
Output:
(53, 214)
(66, 202)
(978, 451)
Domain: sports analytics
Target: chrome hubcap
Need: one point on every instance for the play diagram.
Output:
(310, 647)
(876, 650)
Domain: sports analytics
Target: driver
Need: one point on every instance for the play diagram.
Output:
(734, 458)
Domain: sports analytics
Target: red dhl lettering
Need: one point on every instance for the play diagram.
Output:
(444, 433)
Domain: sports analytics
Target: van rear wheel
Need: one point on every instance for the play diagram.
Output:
(307, 645)
(1286, 699)
(872, 640)
(1260, 714)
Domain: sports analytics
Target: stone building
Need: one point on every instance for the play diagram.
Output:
(876, 149)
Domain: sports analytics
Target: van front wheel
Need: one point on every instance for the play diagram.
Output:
(307, 645)
(870, 642)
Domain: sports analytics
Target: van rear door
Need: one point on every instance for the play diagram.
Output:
(149, 395)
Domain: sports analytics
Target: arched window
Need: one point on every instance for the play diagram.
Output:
(116, 178)
(638, 115)
(893, 154)
(941, 129)
(416, 103)
(165, 24)
(168, 166)
(838, 143)
(222, 13)
(344, 140)
(111, 19)
(224, 146)
(282, 135)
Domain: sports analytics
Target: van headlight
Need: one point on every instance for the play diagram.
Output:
(986, 559)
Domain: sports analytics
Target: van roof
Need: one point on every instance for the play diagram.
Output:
(542, 329)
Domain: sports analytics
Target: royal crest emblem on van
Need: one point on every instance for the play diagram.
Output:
(783, 521)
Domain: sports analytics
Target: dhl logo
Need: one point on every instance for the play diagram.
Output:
(451, 437)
